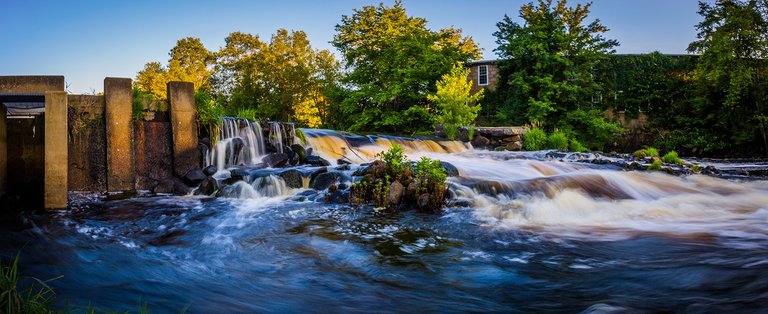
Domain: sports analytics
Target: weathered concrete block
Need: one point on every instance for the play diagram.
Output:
(119, 127)
(56, 150)
(186, 156)
(3, 151)
(32, 84)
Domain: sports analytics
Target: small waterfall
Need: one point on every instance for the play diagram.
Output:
(276, 136)
(240, 142)
(335, 145)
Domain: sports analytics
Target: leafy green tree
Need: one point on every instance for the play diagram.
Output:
(189, 61)
(283, 80)
(394, 61)
(733, 72)
(458, 106)
(548, 64)
(153, 79)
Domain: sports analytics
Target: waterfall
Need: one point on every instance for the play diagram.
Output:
(334, 145)
(276, 136)
(239, 142)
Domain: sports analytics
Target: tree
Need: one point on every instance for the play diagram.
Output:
(548, 64)
(394, 61)
(458, 106)
(189, 61)
(283, 80)
(733, 72)
(153, 80)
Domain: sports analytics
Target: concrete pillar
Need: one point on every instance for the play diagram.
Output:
(119, 127)
(56, 150)
(3, 151)
(186, 155)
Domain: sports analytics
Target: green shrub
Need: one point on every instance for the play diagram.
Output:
(139, 98)
(656, 165)
(471, 133)
(534, 139)
(247, 113)
(672, 158)
(557, 140)
(645, 152)
(450, 131)
(576, 146)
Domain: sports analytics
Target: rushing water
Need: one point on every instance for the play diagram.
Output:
(525, 234)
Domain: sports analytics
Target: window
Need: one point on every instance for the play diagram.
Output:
(482, 75)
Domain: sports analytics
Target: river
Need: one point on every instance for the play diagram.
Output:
(525, 233)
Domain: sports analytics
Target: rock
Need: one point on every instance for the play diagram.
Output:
(171, 186)
(450, 169)
(292, 178)
(511, 139)
(395, 194)
(343, 168)
(337, 197)
(459, 202)
(316, 161)
(207, 187)
(517, 145)
(480, 141)
(423, 200)
(238, 174)
(210, 170)
(194, 177)
(413, 189)
(300, 152)
(342, 161)
(276, 160)
(323, 180)
(343, 186)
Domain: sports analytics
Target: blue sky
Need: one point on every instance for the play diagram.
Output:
(88, 40)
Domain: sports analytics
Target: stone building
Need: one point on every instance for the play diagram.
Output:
(483, 74)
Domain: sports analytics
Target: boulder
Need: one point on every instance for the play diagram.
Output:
(511, 139)
(292, 178)
(276, 160)
(210, 170)
(395, 194)
(516, 145)
(300, 152)
(423, 200)
(316, 161)
(207, 187)
(480, 141)
(324, 180)
(342, 161)
(450, 169)
(194, 177)
(337, 197)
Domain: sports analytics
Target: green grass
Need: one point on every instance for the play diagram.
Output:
(16, 298)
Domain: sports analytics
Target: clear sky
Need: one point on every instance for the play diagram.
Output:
(87, 40)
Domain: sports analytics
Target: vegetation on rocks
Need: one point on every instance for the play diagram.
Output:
(392, 182)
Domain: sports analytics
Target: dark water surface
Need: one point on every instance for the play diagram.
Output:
(278, 255)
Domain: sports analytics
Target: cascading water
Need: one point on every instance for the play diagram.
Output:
(524, 232)
(334, 145)
(276, 136)
(239, 142)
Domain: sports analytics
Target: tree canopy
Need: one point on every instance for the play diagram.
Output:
(732, 71)
(189, 61)
(548, 66)
(393, 61)
(457, 105)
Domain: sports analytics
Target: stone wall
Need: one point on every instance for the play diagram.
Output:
(87, 144)
(154, 156)
(636, 130)
(491, 138)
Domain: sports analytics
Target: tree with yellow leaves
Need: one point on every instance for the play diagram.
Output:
(457, 105)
